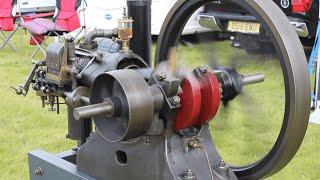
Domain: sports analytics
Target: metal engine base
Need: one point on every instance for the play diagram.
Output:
(44, 165)
(151, 157)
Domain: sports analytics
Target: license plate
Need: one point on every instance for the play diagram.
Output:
(244, 27)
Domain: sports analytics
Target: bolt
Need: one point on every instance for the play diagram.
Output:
(162, 76)
(38, 171)
(146, 140)
(222, 163)
(70, 39)
(204, 68)
(176, 99)
(193, 144)
(189, 172)
(189, 175)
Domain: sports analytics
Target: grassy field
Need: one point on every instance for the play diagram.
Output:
(24, 126)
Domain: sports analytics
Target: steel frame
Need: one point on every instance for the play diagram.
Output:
(6, 40)
(44, 165)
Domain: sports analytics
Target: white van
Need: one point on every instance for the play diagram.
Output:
(103, 14)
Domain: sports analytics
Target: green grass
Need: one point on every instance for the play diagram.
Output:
(24, 126)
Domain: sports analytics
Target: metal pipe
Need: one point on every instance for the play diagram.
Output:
(252, 78)
(105, 108)
(140, 44)
(99, 33)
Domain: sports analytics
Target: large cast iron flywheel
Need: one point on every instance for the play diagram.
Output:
(291, 62)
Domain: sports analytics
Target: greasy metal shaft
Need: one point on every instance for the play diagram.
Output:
(252, 78)
(105, 108)
(85, 99)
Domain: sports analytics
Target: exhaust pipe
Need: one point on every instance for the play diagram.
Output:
(140, 11)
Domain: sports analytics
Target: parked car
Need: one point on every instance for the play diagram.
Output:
(303, 15)
(219, 16)
(230, 20)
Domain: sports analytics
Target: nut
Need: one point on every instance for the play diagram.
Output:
(193, 143)
(38, 171)
(189, 175)
(204, 68)
(176, 99)
(162, 76)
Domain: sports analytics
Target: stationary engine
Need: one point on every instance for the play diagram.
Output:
(153, 123)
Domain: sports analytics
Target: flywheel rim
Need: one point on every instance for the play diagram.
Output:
(293, 64)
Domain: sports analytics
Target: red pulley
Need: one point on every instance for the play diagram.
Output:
(210, 97)
(200, 100)
(190, 103)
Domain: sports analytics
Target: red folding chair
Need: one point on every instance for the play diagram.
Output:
(7, 19)
(66, 20)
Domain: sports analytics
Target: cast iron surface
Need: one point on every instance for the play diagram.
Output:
(165, 157)
(135, 104)
(293, 63)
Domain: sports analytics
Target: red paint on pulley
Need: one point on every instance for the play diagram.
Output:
(210, 98)
(190, 103)
(200, 100)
